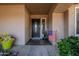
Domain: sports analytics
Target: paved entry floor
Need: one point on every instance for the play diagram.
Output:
(36, 50)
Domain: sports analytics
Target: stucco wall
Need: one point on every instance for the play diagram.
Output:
(12, 20)
(27, 25)
(58, 24)
(71, 21)
(49, 21)
(66, 16)
(39, 16)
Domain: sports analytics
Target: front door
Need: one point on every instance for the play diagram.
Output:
(35, 28)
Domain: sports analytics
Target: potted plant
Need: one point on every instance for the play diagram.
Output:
(7, 42)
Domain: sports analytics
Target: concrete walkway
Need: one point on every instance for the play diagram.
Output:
(36, 50)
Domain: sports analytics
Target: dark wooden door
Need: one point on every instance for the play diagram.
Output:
(35, 27)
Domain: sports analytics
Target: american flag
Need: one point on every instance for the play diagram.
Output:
(52, 36)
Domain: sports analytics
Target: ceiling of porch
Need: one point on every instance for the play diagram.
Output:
(39, 8)
(62, 7)
(45, 8)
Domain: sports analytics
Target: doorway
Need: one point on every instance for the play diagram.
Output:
(38, 28)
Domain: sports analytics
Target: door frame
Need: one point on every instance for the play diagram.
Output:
(40, 28)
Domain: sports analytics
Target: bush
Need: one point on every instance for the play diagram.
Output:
(69, 46)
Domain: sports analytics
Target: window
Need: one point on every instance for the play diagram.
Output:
(77, 21)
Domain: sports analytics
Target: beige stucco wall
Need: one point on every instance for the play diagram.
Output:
(58, 24)
(12, 20)
(71, 20)
(38, 16)
(64, 23)
(49, 22)
(27, 25)
(66, 16)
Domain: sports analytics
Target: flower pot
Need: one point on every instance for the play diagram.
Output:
(7, 44)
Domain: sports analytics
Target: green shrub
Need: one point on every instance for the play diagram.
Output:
(69, 46)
